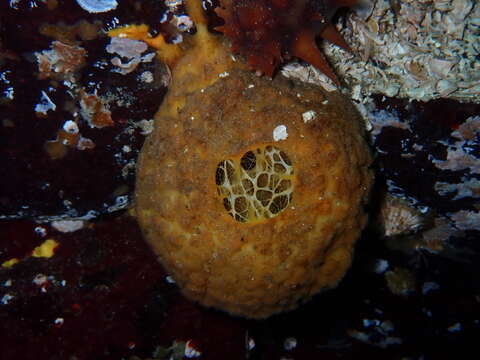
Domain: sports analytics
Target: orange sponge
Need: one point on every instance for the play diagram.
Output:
(251, 190)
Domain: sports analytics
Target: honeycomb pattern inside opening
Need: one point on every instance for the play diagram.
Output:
(257, 186)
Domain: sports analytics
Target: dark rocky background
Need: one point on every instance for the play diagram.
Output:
(102, 295)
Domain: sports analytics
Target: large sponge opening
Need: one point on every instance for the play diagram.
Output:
(257, 185)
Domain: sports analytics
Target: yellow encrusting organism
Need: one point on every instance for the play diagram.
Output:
(9, 263)
(245, 219)
(46, 249)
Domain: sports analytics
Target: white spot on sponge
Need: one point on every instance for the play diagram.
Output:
(280, 133)
(309, 116)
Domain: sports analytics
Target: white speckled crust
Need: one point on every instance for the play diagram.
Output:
(418, 49)
(458, 158)
(67, 226)
(97, 6)
(127, 48)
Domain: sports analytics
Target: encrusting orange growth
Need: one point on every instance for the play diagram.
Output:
(169, 52)
(250, 190)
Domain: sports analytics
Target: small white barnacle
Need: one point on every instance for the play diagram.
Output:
(397, 217)
(308, 116)
(71, 127)
(97, 6)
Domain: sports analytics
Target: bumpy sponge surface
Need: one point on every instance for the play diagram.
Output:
(245, 220)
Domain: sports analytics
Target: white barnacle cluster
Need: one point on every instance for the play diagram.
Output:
(416, 49)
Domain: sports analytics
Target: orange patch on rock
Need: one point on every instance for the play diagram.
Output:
(60, 60)
(95, 111)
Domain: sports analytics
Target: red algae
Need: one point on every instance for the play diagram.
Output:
(267, 32)
(84, 277)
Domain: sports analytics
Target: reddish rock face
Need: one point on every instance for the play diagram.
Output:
(66, 109)
(266, 32)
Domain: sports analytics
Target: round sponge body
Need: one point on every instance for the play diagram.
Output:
(251, 191)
